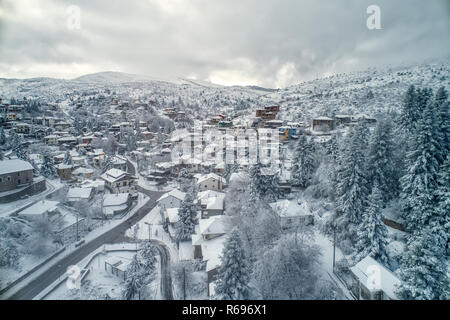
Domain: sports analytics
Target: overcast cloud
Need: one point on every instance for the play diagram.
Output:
(268, 43)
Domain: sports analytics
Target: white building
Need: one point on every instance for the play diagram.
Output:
(41, 210)
(116, 204)
(211, 181)
(171, 199)
(383, 285)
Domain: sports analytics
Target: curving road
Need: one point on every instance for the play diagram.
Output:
(37, 285)
(166, 279)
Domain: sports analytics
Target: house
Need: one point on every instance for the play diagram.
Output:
(51, 139)
(211, 181)
(14, 174)
(171, 199)
(114, 204)
(64, 171)
(119, 162)
(214, 227)
(119, 181)
(211, 203)
(211, 252)
(41, 210)
(172, 218)
(323, 124)
(384, 282)
(80, 195)
(84, 173)
(292, 213)
(24, 128)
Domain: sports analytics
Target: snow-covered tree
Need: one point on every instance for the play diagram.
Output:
(423, 272)
(48, 169)
(419, 183)
(147, 256)
(372, 232)
(382, 168)
(440, 222)
(133, 280)
(67, 158)
(352, 188)
(185, 227)
(304, 162)
(288, 269)
(2, 137)
(414, 103)
(234, 272)
(264, 184)
(442, 109)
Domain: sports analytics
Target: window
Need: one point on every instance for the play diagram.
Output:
(9, 178)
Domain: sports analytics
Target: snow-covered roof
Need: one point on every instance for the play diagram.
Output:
(215, 203)
(290, 208)
(15, 165)
(387, 280)
(211, 252)
(211, 176)
(79, 193)
(172, 215)
(115, 199)
(215, 225)
(40, 208)
(174, 193)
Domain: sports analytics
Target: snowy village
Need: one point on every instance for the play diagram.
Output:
(115, 186)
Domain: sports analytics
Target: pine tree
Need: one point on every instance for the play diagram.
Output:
(256, 182)
(440, 222)
(147, 257)
(352, 184)
(2, 136)
(442, 109)
(48, 169)
(423, 270)
(234, 273)
(372, 232)
(133, 280)
(304, 163)
(264, 184)
(188, 219)
(381, 160)
(408, 115)
(419, 183)
(67, 158)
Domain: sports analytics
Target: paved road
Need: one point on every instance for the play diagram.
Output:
(166, 279)
(36, 286)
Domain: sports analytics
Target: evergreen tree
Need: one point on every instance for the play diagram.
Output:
(440, 222)
(234, 272)
(188, 219)
(381, 160)
(442, 109)
(2, 137)
(372, 232)
(264, 184)
(408, 115)
(133, 280)
(147, 257)
(423, 270)
(352, 184)
(67, 158)
(304, 163)
(48, 169)
(419, 183)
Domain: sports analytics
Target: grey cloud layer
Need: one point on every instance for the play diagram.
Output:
(269, 43)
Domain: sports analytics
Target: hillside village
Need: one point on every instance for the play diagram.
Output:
(78, 159)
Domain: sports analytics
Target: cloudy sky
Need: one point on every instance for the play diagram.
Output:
(271, 43)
